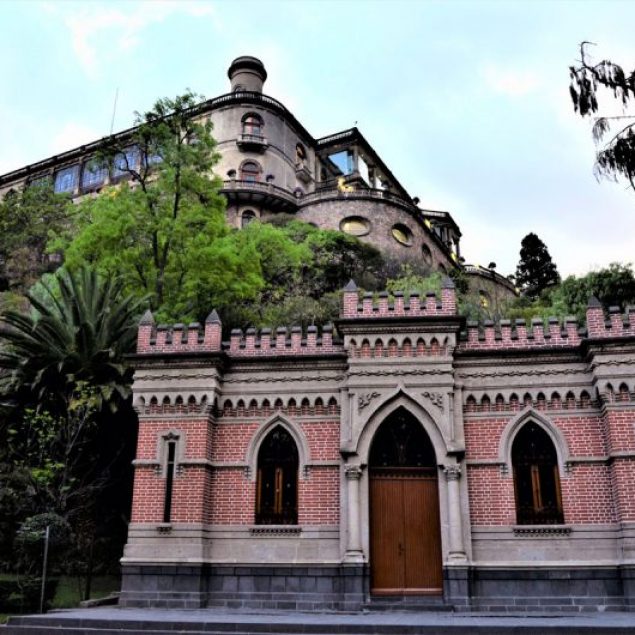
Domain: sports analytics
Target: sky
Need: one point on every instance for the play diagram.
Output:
(466, 102)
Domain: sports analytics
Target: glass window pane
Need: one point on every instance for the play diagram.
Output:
(94, 175)
(66, 179)
(125, 161)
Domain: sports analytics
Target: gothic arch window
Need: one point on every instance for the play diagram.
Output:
(536, 477)
(277, 479)
(247, 217)
(250, 171)
(252, 124)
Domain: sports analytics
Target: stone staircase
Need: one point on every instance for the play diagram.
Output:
(116, 621)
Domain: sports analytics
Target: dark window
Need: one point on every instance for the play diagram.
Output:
(247, 217)
(401, 442)
(277, 483)
(66, 179)
(169, 481)
(250, 171)
(536, 478)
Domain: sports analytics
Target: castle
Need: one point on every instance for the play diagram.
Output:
(409, 458)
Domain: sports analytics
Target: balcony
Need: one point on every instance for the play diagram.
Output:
(302, 172)
(266, 195)
(252, 142)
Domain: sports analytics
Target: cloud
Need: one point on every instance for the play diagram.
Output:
(513, 83)
(72, 135)
(122, 24)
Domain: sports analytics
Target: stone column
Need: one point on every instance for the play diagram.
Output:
(456, 552)
(354, 552)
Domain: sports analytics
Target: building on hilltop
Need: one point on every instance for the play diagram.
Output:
(271, 164)
(415, 460)
(407, 458)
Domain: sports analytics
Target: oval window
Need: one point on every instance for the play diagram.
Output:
(355, 226)
(402, 234)
(426, 254)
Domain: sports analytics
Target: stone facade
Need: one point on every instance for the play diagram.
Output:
(472, 388)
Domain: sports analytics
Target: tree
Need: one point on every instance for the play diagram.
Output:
(615, 156)
(79, 331)
(26, 219)
(535, 271)
(61, 449)
(162, 229)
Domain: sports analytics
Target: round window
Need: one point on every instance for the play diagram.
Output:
(402, 234)
(355, 226)
(426, 254)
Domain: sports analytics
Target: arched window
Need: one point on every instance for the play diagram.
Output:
(536, 477)
(250, 171)
(252, 125)
(277, 482)
(246, 218)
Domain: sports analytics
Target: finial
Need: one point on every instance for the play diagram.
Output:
(594, 302)
(147, 318)
(213, 318)
(351, 286)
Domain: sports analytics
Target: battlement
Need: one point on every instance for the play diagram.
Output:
(402, 306)
(509, 335)
(155, 339)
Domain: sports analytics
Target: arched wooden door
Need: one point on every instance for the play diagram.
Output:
(405, 536)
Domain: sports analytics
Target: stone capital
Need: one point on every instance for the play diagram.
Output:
(353, 472)
(452, 472)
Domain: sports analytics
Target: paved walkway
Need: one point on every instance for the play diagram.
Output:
(260, 621)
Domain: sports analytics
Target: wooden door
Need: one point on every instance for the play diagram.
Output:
(405, 547)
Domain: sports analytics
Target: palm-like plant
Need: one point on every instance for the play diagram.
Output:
(79, 330)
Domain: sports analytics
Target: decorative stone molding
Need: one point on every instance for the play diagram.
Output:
(353, 472)
(436, 399)
(275, 530)
(452, 472)
(542, 531)
(365, 399)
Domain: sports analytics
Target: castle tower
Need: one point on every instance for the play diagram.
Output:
(247, 73)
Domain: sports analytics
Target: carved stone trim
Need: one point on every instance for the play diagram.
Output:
(275, 530)
(353, 472)
(542, 531)
(365, 399)
(435, 398)
(452, 472)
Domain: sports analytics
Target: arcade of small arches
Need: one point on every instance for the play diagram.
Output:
(404, 347)
(485, 402)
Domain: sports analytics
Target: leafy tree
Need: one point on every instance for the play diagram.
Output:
(26, 219)
(616, 150)
(612, 286)
(79, 331)
(535, 271)
(163, 229)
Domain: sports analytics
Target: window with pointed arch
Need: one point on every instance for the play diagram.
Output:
(250, 171)
(536, 477)
(277, 480)
(252, 125)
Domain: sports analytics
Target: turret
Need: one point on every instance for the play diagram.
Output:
(247, 73)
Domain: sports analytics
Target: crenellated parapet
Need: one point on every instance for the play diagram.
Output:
(508, 334)
(163, 339)
(412, 305)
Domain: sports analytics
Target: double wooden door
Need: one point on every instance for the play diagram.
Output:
(405, 537)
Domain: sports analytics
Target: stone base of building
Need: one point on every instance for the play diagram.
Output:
(292, 587)
(346, 588)
(554, 589)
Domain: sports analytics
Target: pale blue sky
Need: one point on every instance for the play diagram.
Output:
(466, 102)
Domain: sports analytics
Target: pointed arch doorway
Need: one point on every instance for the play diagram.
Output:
(405, 536)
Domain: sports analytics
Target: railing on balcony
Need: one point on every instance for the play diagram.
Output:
(237, 185)
(252, 141)
(324, 192)
(489, 273)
